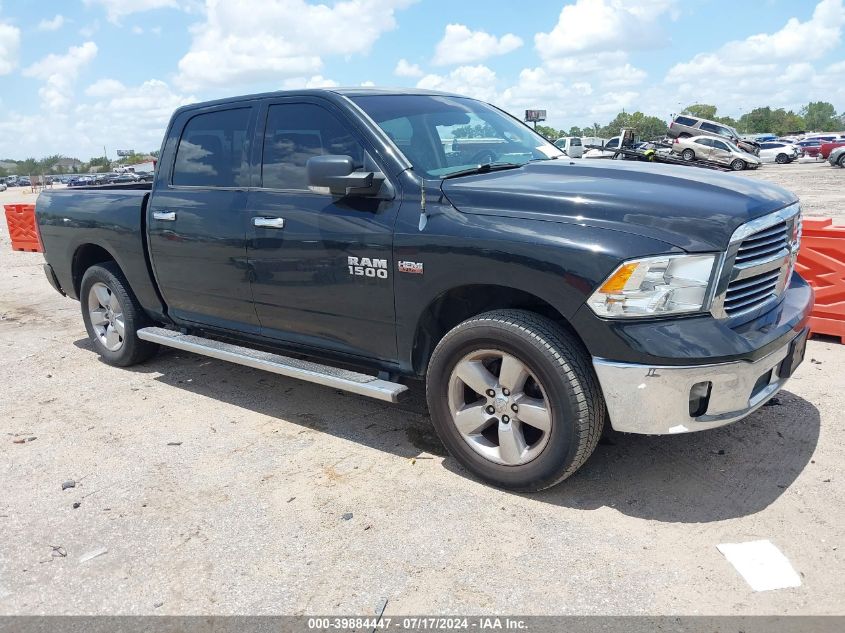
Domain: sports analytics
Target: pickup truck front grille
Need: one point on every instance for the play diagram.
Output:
(759, 263)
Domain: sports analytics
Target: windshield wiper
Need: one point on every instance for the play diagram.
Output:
(482, 169)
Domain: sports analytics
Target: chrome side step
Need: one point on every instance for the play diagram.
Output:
(344, 379)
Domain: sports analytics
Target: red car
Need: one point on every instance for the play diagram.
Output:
(810, 148)
(827, 148)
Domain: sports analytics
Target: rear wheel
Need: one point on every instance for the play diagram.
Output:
(738, 164)
(514, 398)
(684, 135)
(112, 316)
(841, 161)
(688, 154)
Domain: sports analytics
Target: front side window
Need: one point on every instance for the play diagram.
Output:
(444, 135)
(214, 150)
(296, 132)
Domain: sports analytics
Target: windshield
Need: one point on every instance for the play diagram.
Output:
(444, 135)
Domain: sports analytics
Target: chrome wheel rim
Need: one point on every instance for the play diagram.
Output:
(688, 154)
(499, 407)
(106, 315)
(737, 165)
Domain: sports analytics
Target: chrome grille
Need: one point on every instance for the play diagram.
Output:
(751, 292)
(762, 245)
(758, 263)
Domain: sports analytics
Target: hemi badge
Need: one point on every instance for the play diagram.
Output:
(415, 268)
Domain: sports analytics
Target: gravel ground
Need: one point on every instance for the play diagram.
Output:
(217, 488)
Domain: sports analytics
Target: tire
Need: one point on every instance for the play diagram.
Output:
(108, 304)
(841, 161)
(684, 135)
(782, 159)
(688, 154)
(737, 164)
(556, 386)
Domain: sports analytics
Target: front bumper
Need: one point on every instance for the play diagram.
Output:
(655, 400)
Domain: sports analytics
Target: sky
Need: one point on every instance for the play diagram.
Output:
(80, 75)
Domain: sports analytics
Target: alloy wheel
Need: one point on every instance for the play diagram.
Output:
(106, 315)
(499, 407)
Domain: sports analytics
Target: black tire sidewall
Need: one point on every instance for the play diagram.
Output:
(133, 349)
(562, 446)
(737, 161)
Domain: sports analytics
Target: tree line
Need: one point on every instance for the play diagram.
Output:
(817, 116)
(50, 165)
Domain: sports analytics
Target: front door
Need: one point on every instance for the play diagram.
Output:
(322, 266)
(721, 152)
(197, 219)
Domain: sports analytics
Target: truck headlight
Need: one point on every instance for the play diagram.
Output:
(654, 286)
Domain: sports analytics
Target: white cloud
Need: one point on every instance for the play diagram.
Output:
(265, 40)
(105, 88)
(317, 81)
(472, 81)
(604, 25)
(137, 30)
(768, 68)
(460, 45)
(117, 9)
(406, 69)
(121, 116)
(52, 25)
(59, 74)
(10, 42)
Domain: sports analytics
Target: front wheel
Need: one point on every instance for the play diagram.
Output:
(781, 159)
(112, 316)
(841, 161)
(514, 398)
(738, 164)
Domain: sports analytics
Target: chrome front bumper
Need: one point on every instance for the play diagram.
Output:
(655, 400)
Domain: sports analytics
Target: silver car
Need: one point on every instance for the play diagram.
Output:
(685, 126)
(717, 150)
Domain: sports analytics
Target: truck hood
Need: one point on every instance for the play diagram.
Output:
(691, 208)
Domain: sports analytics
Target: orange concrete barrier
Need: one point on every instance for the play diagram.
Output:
(20, 219)
(821, 261)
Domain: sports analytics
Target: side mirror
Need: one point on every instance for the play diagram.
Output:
(337, 174)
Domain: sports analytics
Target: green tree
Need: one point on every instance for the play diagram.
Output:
(820, 116)
(701, 110)
(549, 132)
(28, 167)
(645, 127)
(577, 131)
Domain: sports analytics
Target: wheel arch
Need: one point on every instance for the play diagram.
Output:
(463, 302)
(85, 256)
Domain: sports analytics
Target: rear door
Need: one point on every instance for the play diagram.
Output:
(196, 217)
(322, 266)
(703, 147)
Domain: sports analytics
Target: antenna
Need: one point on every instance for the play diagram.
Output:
(423, 214)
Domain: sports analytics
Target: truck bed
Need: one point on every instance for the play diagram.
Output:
(112, 217)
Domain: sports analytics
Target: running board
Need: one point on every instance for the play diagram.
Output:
(344, 379)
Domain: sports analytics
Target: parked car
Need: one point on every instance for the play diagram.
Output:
(684, 126)
(811, 147)
(780, 153)
(571, 145)
(3, 186)
(23, 181)
(671, 305)
(610, 148)
(717, 150)
(80, 181)
(827, 148)
(837, 157)
(123, 178)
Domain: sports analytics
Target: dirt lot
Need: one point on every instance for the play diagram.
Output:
(216, 488)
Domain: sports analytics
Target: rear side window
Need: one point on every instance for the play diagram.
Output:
(715, 129)
(705, 141)
(682, 120)
(720, 145)
(296, 132)
(576, 142)
(214, 150)
(612, 143)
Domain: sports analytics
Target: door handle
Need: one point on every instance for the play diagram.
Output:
(269, 223)
(166, 216)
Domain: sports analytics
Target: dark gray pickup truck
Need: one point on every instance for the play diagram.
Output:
(361, 238)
